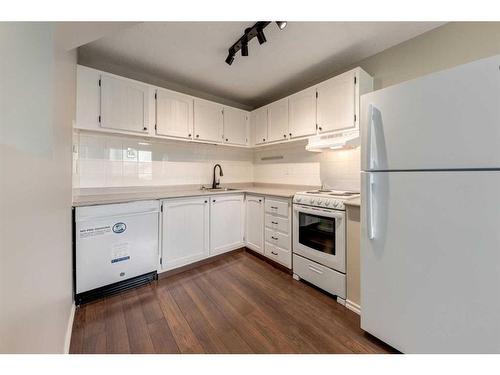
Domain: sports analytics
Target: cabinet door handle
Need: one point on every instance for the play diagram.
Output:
(320, 128)
(260, 200)
(227, 140)
(263, 139)
(284, 135)
(189, 135)
(213, 200)
(290, 134)
(144, 128)
(274, 222)
(206, 201)
(197, 136)
(274, 208)
(274, 238)
(272, 252)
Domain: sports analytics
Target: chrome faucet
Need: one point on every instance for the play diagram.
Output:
(215, 183)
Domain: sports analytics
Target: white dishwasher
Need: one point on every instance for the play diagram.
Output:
(116, 247)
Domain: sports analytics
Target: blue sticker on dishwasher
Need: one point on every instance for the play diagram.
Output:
(116, 260)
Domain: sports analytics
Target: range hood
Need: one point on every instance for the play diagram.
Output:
(333, 141)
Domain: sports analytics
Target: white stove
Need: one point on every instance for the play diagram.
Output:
(333, 199)
(319, 250)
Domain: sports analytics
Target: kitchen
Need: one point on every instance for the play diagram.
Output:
(196, 215)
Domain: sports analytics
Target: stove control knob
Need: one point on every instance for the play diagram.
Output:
(320, 202)
(327, 203)
(298, 199)
(335, 204)
(313, 200)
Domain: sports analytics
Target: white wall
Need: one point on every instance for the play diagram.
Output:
(110, 161)
(37, 104)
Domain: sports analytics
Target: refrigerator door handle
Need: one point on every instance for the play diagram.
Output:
(371, 223)
(372, 112)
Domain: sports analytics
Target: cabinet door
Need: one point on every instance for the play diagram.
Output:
(302, 113)
(336, 99)
(174, 114)
(254, 237)
(260, 125)
(278, 120)
(235, 126)
(87, 98)
(226, 223)
(124, 105)
(208, 121)
(185, 231)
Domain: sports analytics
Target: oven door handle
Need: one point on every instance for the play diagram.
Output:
(318, 211)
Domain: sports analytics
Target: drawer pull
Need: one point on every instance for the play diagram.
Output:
(274, 238)
(274, 207)
(274, 222)
(272, 252)
(315, 270)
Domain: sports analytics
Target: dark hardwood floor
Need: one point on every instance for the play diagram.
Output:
(238, 304)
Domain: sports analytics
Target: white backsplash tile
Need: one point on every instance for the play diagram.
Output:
(109, 161)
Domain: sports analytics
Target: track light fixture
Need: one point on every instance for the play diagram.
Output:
(261, 37)
(229, 59)
(256, 30)
(244, 50)
(281, 24)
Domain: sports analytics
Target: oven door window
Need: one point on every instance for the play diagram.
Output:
(317, 232)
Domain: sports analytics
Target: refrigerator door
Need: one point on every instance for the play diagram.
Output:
(430, 260)
(445, 120)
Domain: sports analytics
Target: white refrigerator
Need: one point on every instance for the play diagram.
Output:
(430, 211)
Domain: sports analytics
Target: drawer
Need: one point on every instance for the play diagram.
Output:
(323, 277)
(278, 239)
(279, 255)
(277, 207)
(278, 223)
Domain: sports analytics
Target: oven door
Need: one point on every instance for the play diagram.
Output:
(319, 235)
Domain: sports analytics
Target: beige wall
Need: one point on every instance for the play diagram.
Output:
(452, 44)
(37, 105)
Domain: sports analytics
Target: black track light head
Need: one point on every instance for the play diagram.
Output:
(244, 50)
(229, 59)
(261, 37)
(281, 24)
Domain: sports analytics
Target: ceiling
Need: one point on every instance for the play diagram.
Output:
(192, 54)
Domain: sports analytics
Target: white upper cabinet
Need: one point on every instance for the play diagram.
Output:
(208, 121)
(235, 126)
(302, 113)
(260, 125)
(254, 237)
(185, 231)
(278, 120)
(124, 104)
(226, 223)
(174, 114)
(87, 98)
(336, 103)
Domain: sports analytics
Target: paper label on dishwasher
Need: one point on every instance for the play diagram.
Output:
(94, 232)
(120, 252)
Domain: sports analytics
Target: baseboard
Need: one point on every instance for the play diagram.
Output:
(353, 306)
(69, 329)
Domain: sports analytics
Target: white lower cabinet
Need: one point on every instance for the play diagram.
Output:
(185, 231)
(254, 223)
(278, 230)
(227, 217)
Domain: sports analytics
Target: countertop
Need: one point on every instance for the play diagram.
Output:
(95, 196)
(353, 202)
